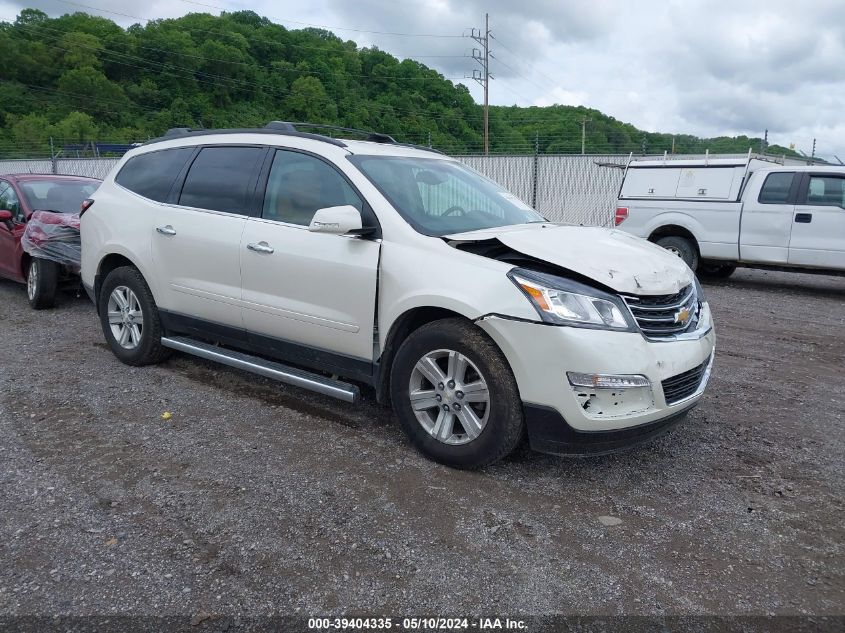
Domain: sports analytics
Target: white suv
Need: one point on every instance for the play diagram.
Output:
(318, 261)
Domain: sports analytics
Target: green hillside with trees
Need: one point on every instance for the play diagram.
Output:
(80, 78)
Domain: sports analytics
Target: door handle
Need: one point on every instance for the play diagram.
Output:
(166, 230)
(804, 218)
(261, 247)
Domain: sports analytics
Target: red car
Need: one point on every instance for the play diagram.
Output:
(20, 196)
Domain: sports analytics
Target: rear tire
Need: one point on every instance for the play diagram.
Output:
(452, 364)
(716, 271)
(129, 317)
(682, 247)
(42, 281)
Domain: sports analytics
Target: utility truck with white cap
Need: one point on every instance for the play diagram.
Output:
(717, 214)
(329, 263)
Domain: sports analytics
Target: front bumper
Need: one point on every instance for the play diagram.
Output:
(548, 432)
(541, 355)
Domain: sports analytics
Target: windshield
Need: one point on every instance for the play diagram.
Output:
(54, 195)
(439, 197)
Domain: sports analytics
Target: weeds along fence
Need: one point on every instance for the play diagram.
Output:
(575, 189)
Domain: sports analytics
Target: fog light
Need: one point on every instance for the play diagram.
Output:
(605, 381)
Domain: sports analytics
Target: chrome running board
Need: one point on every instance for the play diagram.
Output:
(267, 368)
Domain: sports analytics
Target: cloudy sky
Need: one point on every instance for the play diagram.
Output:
(706, 67)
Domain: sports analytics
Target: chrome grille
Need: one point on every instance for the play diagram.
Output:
(661, 315)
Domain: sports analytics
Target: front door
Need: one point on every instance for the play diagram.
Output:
(10, 252)
(818, 228)
(196, 241)
(308, 296)
(767, 220)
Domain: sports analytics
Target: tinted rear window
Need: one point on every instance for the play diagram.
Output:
(64, 196)
(151, 175)
(222, 179)
(776, 188)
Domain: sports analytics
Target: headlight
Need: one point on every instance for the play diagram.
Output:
(565, 302)
(699, 291)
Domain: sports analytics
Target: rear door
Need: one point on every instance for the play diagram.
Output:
(818, 228)
(309, 296)
(196, 238)
(10, 252)
(766, 221)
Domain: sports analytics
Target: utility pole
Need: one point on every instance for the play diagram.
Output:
(536, 170)
(584, 121)
(813, 155)
(53, 165)
(673, 145)
(765, 144)
(483, 76)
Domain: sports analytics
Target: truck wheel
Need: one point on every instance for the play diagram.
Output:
(716, 271)
(42, 280)
(682, 247)
(129, 317)
(455, 395)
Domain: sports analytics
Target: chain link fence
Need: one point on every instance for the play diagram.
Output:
(574, 189)
(90, 167)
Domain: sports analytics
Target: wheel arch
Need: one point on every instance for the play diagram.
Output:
(403, 326)
(668, 230)
(26, 258)
(107, 264)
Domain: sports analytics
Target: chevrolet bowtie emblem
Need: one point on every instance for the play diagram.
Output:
(682, 316)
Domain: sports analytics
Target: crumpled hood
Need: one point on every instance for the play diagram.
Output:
(618, 260)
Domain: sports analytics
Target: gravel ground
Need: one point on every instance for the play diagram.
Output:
(258, 499)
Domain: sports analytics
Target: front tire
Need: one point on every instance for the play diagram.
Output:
(129, 317)
(683, 248)
(455, 395)
(716, 271)
(42, 281)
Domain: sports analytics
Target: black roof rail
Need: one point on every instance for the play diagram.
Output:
(181, 132)
(376, 137)
(287, 128)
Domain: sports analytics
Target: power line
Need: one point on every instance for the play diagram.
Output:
(237, 63)
(527, 63)
(323, 26)
(516, 72)
(214, 79)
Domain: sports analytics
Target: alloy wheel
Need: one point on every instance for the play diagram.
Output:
(32, 281)
(449, 397)
(126, 319)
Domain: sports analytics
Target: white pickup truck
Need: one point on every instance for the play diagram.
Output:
(717, 214)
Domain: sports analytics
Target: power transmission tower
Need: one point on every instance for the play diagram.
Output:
(813, 155)
(483, 76)
(584, 121)
(765, 144)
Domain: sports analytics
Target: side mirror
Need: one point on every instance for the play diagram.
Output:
(6, 218)
(336, 220)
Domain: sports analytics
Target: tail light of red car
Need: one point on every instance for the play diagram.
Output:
(86, 204)
(621, 215)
